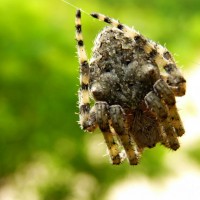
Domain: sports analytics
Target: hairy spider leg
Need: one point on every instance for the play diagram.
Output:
(158, 53)
(88, 118)
(161, 111)
(176, 82)
(163, 90)
(84, 100)
(102, 116)
(118, 123)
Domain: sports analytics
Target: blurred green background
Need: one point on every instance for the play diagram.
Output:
(43, 153)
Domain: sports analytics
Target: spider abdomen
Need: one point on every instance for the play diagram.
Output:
(120, 72)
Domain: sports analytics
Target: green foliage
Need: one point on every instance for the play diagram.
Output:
(38, 86)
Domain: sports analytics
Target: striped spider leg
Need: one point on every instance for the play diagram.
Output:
(89, 118)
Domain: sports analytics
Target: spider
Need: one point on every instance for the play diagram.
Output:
(134, 100)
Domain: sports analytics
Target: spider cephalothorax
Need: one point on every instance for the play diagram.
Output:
(135, 103)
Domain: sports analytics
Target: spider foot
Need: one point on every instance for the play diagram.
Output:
(171, 140)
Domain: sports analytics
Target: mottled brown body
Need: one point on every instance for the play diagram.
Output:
(120, 71)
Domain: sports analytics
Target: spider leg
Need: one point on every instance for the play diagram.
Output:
(163, 90)
(161, 111)
(129, 32)
(89, 118)
(158, 53)
(118, 123)
(86, 116)
(102, 116)
(178, 89)
(175, 80)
